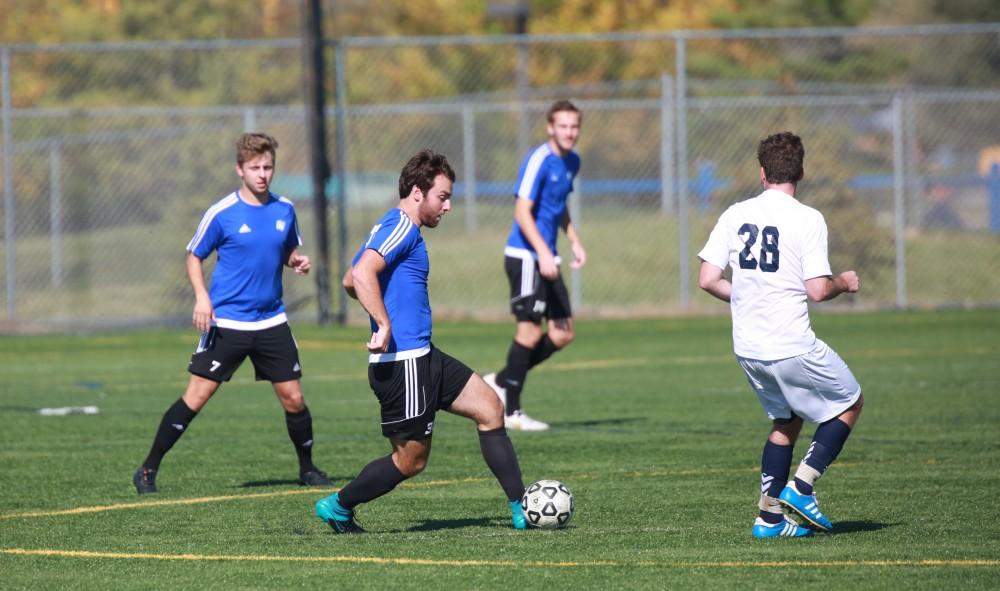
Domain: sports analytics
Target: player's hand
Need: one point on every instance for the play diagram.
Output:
(299, 263)
(851, 281)
(547, 266)
(579, 255)
(203, 315)
(379, 343)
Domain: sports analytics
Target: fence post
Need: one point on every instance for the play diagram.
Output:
(575, 210)
(10, 242)
(911, 143)
(249, 119)
(993, 182)
(667, 115)
(682, 176)
(899, 194)
(469, 168)
(340, 77)
(315, 123)
(55, 213)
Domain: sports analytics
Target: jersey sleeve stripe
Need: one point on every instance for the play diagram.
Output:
(291, 205)
(531, 171)
(386, 246)
(206, 219)
(397, 235)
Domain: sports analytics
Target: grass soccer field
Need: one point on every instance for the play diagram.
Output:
(654, 428)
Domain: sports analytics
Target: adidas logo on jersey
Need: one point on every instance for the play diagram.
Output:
(244, 229)
(279, 225)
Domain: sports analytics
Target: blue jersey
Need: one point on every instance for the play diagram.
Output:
(404, 285)
(545, 179)
(253, 244)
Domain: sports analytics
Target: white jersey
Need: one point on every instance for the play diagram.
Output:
(774, 244)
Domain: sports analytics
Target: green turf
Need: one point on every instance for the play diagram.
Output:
(654, 429)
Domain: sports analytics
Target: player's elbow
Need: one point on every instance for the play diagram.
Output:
(818, 291)
(709, 277)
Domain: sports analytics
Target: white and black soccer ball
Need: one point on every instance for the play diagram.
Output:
(547, 504)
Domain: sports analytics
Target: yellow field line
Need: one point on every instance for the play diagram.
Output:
(503, 563)
(320, 491)
(655, 472)
(148, 504)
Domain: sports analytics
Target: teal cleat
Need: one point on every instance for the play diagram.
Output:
(785, 529)
(330, 511)
(517, 515)
(805, 505)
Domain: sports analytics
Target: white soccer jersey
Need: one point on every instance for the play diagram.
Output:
(774, 244)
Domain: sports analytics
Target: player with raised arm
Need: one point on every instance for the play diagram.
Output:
(777, 249)
(255, 234)
(537, 290)
(412, 378)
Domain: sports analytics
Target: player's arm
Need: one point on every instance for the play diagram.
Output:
(203, 314)
(713, 280)
(348, 283)
(364, 278)
(821, 289)
(298, 262)
(575, 243)
(526, 221)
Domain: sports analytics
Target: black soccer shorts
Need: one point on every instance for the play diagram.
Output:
(532, 297)
(411, 392)
(221, 351)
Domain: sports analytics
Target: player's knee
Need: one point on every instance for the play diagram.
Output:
(857, 406)
(410, 467)
(561, 338)
(493, 417)
(292, 401)
(529, 336)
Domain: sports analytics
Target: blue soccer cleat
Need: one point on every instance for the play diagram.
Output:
(332, 513)
(517, 515)
(785, 529)
(805, 505)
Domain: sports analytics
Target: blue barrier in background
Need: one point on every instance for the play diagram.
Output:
(702, 186)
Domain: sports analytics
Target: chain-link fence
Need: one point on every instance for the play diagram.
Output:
(112, 152)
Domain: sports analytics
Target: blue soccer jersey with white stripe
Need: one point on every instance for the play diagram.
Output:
(253, 244)
(404, 283)
(546, 179)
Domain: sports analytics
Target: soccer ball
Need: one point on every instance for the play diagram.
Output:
(548, 504)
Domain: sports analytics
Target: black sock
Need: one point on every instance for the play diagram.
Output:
(377, 478)
(775, 463)
(499, 454)
(542, 351)
(172, 426)
(825, 447)
(300, 431)
(512, 377)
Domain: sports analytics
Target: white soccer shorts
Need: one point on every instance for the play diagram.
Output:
(816, 385)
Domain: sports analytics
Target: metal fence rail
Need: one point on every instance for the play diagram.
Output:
(111, 152)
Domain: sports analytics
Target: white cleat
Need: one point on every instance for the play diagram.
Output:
(491, 381)
(523, 422)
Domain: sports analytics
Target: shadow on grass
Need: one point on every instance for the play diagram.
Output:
(599, 424)
(267, 483)
(12, 408)
(852, 527)
(440, 524)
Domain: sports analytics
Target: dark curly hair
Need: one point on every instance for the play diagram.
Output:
(421, 170)
(781, 157)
